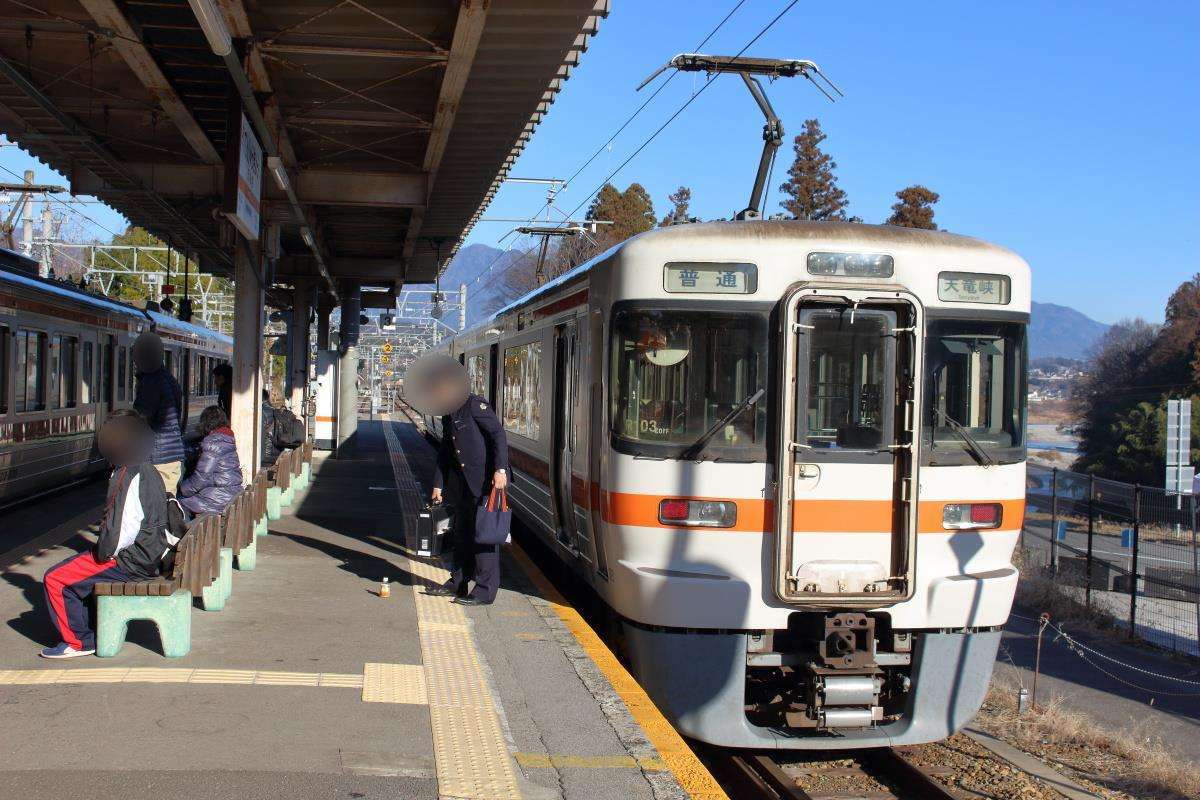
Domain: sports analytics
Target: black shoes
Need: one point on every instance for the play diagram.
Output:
(472, 601)
(440, 591)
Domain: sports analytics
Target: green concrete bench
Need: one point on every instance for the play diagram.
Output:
(165, 601)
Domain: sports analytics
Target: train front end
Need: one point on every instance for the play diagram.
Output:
(815, 477)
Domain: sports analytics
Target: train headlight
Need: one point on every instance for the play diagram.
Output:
(972, 516)
(698, 513)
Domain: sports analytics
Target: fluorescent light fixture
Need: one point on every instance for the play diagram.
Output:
(275, 164)
(212, 22)
(307, 236)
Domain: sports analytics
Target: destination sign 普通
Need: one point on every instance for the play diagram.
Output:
(710, 278)
(973, 287)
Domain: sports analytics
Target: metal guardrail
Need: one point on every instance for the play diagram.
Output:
(1128, 550)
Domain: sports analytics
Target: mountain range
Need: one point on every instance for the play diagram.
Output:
(1062, 332)
(1055, 331)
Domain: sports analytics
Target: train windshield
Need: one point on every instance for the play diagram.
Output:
(975, 392)
(686, 382)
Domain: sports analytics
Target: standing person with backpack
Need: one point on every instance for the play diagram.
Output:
(282, 430)
(159, 400)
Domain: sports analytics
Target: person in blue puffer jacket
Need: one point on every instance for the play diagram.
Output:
(159, 400)
(217, 479)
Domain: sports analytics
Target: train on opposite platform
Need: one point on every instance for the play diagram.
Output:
(790, 456)
(65, 363)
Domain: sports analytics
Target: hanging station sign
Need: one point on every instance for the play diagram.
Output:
(243, 177)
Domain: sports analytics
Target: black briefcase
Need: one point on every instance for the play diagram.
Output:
(432, 524)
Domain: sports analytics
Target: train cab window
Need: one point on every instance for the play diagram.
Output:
(123, 373)
(62, 371)
(4, 357)
(86, 386)
(686, 381)
(522, 411)
(477, 374)
(30, 370)
(847, 370)
(975, 392)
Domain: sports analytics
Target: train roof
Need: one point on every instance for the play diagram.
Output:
(14, 274)
(856, 234)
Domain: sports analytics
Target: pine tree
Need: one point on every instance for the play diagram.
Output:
(811, 189)
(914, 208)
(631, 212)
(680, 212)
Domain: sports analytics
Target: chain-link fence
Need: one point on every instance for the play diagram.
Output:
(1126, 550)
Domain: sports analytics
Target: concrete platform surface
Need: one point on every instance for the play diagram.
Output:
(308, 684)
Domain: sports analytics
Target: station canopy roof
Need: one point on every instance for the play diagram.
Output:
(394, 121)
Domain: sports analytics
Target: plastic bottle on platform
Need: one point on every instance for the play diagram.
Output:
(385, 589)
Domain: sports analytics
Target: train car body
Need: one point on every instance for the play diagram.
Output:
(790, 456)
(65, 363)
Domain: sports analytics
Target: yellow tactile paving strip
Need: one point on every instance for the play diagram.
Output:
(469, 747)
(692, 775)
(394, 683)
(231, 677)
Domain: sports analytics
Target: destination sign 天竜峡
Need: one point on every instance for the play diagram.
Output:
(973, 287)
(711, 278)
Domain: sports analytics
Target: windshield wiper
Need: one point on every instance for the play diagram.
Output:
(698, 445)
(973, 446)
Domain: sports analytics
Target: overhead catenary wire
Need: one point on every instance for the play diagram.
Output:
(680, 110)
(626, 123)
(649, 99)
(66, 205)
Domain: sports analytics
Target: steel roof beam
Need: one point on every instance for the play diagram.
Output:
(312, 187)
(343, 51)
(468, 30)
(128, 43)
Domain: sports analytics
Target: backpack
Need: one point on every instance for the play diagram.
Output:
(289, 429)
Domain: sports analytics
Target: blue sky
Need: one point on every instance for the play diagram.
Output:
(1066, 131)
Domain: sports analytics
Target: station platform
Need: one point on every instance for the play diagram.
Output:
(308, 684)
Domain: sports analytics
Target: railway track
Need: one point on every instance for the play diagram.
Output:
(884, 774)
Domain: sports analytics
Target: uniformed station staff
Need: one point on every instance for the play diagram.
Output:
(472, 458)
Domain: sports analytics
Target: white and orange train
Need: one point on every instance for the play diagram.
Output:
(790, 456)
(66, 363)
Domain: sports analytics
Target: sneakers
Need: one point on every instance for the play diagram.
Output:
(64, 650)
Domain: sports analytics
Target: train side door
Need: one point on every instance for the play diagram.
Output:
(846, 495)
(562, 454)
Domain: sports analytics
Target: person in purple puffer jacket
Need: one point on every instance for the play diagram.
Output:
(217, 479)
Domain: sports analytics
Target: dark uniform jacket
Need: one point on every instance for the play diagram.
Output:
(472, 441)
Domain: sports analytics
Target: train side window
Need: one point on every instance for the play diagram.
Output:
(85, 370)
(4, 346)
(478, 374)
(31, 370)
(132, 373)
(62, 371)
(122, 373)
(522, 411)
(110, 347)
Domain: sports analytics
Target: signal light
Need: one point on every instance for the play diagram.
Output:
(673, 510)
(698, 513)
(972, 516)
